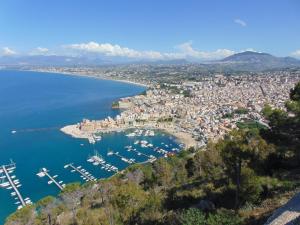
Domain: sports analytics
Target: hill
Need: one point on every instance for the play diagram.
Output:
(255, 61)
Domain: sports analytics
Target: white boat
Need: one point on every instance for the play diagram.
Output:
(66, 166)
(4, 184)
(20, 207)
(40, 174)
(55, 176)
(13, 131)
(131, 135)
(50, 182)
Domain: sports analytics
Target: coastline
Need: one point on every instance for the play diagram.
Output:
(184, 138)
(90, 76)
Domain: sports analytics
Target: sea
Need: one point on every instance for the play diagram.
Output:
(36, 105)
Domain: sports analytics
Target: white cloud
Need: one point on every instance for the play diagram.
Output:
(8, 52)
(184, 50)
(114, 50)
(39, 51)
(240, 22)
(42, 50)
(296, 53)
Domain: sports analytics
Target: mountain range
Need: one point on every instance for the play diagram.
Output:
(244, 61)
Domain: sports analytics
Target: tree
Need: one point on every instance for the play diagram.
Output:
(193, 216)
(243, 149)
(223, 217)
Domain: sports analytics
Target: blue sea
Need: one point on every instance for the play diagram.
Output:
(36, 105)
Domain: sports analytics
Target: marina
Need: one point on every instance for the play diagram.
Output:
(52, 179)
(10, 182)
(85, 175)
(123, 158)
(97, 160)
(151, 158)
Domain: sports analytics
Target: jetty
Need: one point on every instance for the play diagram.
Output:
(123, 158)
(97, 160)
(9, 182)
(85, 175)
(151, 158)
(52, 179)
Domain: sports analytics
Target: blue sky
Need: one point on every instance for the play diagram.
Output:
(150, 29)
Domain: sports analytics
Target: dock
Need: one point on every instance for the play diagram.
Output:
(123, 158)
(9, 182)
(44, 172)
(97, 160)
(151, 158)
(85, 175)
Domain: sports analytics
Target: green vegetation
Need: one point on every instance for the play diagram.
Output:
(241, 111)
(238, 180)
(168, 119)
(115, 105)
(250, 124)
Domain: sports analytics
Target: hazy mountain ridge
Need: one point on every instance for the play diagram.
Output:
(244, 61)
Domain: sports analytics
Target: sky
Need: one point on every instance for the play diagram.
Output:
(153, 29)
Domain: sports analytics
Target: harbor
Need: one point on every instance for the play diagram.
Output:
(85, 175)
(9, 182)
(97, 160)
(52, 179)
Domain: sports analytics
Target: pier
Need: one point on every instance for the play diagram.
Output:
(8, 182)
(151, 158)
(124, 159)
(45, 172)
(85, 175)
(98, 160)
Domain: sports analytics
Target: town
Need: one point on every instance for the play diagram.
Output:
(195, 111)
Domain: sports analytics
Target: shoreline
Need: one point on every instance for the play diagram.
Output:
(184, 138)
(90, 76)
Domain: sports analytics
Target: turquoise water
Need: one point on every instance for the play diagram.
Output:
(36, 105)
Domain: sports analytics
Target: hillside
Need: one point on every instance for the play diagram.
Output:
(254, 61)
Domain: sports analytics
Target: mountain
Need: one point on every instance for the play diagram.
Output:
(255, 61)
(244, 61)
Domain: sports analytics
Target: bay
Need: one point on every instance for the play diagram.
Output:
(36, 105)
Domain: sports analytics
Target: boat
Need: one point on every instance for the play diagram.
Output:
(40, 174)
(13, 131)
(50, 182)
(131, 135)
(110, 153)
